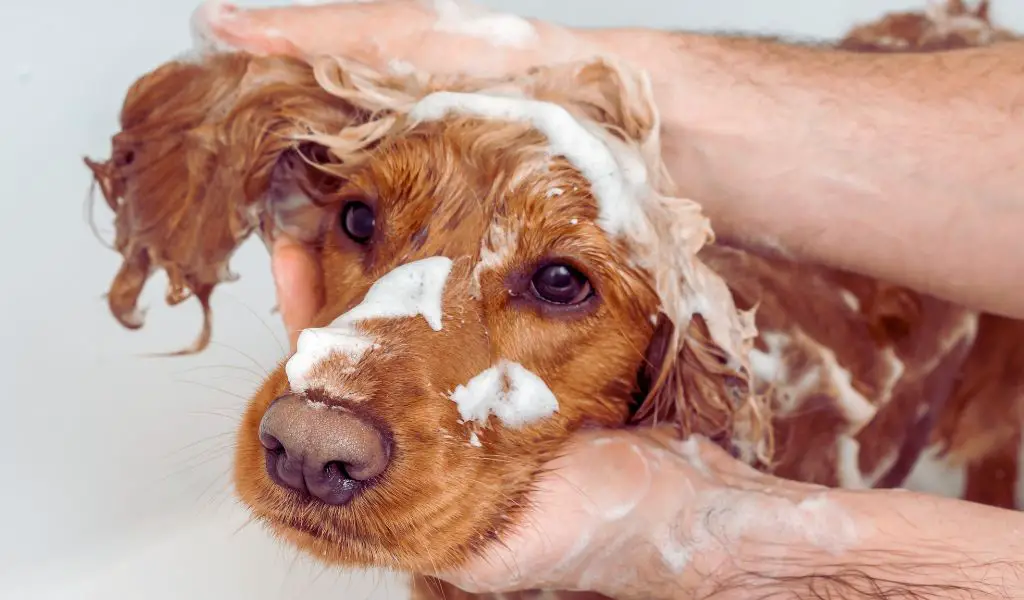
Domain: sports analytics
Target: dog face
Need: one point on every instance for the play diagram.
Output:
(480, 314)
(503, 264)
(479, 308)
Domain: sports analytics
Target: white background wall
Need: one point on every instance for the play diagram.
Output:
(114, 466)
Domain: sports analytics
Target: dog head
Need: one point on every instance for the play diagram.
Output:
(505, 262)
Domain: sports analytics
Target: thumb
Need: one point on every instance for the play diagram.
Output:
(256, 31)
(298, 285)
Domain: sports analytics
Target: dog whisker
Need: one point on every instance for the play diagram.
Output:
(212, 387)
(256, 363)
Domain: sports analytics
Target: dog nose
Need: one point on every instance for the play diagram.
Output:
(319, 449)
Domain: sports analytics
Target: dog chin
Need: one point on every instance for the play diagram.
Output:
(350, 550)
(329, 549)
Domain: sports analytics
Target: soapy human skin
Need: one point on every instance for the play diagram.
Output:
(499, 43)
(683, 509)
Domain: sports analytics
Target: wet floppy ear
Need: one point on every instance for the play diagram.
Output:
(209, 153)
(298, 194)
(688, 380)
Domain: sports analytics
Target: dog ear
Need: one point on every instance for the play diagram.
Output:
(690, 381)
(206, 153)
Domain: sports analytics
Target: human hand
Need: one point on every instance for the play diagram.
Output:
(613, 515)
(441, 37)
(297, 282)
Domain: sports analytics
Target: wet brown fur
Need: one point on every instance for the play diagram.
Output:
(208, 149)
(947, 26)
(980, 426)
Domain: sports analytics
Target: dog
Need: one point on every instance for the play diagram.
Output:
(506, 261)
(943, 25)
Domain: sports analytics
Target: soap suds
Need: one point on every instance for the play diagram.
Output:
(850, 299)
(896, 369)
(613, 184)
(499, 29)
(316, 345)
(934, 474)
(857, 409)
(410, 290)
(474, 440)
(507, 390)
(769, 367)
(848, 464)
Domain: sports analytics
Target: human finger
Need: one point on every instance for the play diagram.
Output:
(447, 37)
(354, 30)
(591, 489)
(298, 285)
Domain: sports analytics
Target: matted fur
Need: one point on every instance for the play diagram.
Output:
(943, 25)
(850, 374)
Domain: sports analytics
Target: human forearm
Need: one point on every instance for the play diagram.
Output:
(903, 545)
(794, 541)
(903, 167)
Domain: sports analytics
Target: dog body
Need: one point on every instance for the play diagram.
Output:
(505, 263)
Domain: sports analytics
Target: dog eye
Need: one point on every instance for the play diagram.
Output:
(358, 221)
(560, 284)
